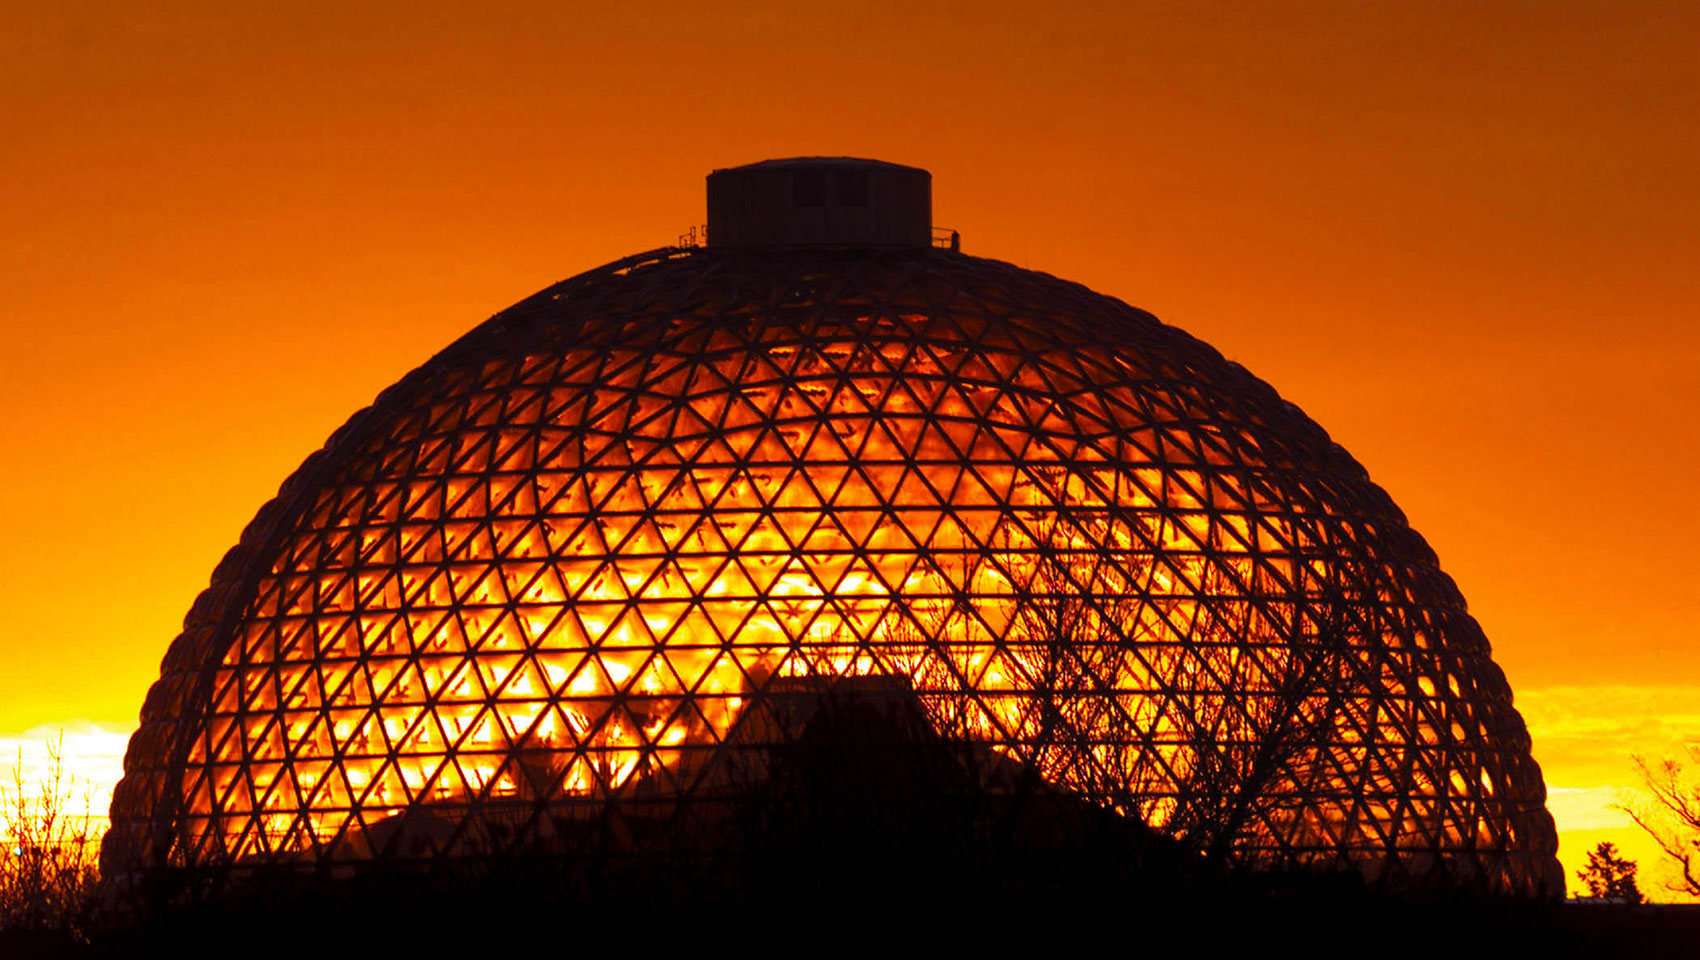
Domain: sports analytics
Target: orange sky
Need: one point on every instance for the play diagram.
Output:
(1463, 237)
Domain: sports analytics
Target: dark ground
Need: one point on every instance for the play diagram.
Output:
(845, 909)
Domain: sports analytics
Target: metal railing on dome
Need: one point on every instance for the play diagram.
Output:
(943, 238)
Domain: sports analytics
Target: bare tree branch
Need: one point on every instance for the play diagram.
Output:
(1671, 817)
(48, 867)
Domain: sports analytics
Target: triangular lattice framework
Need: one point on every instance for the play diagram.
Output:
(550, 570)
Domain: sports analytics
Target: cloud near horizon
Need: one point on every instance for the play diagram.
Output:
(91, 763)
(1586, 739)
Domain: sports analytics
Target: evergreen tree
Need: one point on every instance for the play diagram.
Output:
(1609, 875)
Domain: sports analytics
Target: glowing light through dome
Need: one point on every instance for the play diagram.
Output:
(554, 569)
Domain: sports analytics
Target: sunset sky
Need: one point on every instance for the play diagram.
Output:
(1465, 238)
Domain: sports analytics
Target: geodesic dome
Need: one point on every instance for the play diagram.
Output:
(572, 568)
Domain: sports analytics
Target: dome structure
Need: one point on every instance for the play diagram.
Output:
(582, 567)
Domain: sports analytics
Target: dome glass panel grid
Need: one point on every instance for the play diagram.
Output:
(554, 572)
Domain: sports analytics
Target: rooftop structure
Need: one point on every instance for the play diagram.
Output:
(820, 201)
